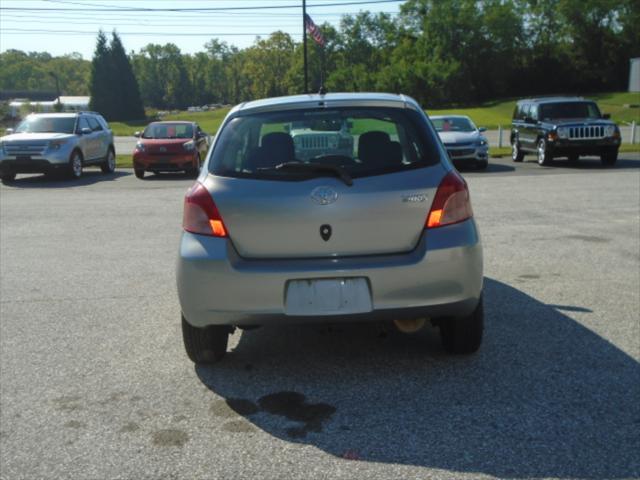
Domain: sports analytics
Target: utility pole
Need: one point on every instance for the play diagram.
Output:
(304, 42)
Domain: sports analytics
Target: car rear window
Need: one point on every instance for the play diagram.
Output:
(361, 141)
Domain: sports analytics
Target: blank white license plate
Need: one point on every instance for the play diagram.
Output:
(328, 296)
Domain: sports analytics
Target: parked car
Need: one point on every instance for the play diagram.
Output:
(563, 127)
(170, 146)
(49, 142)
(385, 232)
(463, 140)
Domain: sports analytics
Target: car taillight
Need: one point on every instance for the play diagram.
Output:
(451, 203)
(201, 214)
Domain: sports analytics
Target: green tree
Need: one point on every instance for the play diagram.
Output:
(103, 96)
(127, 101)
(267, 63)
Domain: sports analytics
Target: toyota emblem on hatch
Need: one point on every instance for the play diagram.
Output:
(324, 195)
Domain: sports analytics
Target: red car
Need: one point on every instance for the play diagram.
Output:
(170, 147)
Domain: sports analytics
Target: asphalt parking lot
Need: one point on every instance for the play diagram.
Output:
(95, 384)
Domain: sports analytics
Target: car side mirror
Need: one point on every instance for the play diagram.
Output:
(482, 129)
(86, 131)
(136, 134)
(606, 116)
(9, 131)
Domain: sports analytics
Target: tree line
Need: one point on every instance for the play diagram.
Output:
(440, 52)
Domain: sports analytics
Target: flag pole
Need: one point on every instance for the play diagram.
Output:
(304, 42)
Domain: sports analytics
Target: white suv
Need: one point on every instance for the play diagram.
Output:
(47, 142)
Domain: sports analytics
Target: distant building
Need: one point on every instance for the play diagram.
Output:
(634, 75)
(74, 104)
(69, 104)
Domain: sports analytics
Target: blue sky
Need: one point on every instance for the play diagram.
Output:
(74, 28)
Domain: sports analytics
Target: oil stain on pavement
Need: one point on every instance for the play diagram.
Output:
(292, 406)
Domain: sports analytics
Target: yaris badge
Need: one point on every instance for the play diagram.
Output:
(324, 195)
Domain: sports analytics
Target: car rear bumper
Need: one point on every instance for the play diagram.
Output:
(441, 277)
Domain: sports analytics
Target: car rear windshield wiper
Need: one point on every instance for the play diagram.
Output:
(336, 170)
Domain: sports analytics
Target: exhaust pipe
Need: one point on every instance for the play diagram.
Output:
(412, 325)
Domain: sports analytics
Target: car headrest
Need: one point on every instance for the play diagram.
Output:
(372, 146)
(276, 148)
(279, 145)
(395, 153)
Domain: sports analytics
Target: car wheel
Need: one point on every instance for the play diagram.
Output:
(75, 165)
(482, 165)
(463, 335)
(517, 155)
(609, 159)
(139, 173)
(7, 177)
(543, 152)
(109, 165)
(205, 345)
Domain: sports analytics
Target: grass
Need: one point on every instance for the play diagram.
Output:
(495, 113)
(623, 107)
(208, 121)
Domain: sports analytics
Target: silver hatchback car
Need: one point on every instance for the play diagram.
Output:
(383, 232)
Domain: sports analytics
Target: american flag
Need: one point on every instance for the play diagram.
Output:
(313, 30)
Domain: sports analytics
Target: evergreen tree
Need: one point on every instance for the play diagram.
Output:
(100, 83)
(127, 101)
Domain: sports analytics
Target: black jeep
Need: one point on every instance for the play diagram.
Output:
(563, 127)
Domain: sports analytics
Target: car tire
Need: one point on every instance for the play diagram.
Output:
(7, 177)
(205, 345)
(74, 170)
(109, 164)
(544, 158)
(609, 159)
(482, 165)
(463, 335)
(517, 155)
(139, 173)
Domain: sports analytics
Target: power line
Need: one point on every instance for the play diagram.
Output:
(224, 16)
(208, 9)
(18, 31)
(143, 23)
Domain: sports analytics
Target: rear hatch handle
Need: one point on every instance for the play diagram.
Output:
(336, 170)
